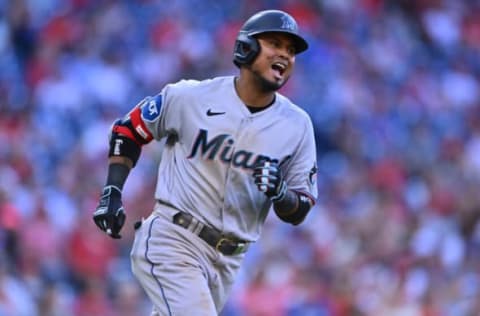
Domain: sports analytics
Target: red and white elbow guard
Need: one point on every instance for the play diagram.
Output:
(128, 135)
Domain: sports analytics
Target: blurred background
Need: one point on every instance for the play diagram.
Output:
(393, 88)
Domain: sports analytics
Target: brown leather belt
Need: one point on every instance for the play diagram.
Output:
(224, 244)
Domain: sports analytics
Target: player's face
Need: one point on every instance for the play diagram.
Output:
(275, 62)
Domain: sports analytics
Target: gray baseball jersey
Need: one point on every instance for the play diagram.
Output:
(213, 143)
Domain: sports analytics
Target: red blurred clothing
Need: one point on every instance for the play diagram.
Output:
(262, 298)
(40, 244)
(9, 215)
(89, 251)
(93, 301)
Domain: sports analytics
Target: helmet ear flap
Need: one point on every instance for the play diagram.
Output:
(246, 49)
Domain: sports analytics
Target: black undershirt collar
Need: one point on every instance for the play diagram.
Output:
(254, 109)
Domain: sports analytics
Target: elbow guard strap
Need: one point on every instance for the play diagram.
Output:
(121, 145)
(298, 215)
(128, 136)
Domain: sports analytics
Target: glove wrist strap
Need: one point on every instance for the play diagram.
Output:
(281, 193)
(111, 187)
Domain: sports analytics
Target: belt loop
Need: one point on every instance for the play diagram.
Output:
(196, 226)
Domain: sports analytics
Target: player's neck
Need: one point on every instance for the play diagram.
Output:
(251, 95)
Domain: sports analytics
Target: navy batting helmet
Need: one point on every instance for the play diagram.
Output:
(247, 47)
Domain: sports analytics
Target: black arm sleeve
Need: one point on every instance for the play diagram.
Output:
(298, 213)
(117, 174)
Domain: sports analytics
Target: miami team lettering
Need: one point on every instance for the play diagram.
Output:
(221, 147)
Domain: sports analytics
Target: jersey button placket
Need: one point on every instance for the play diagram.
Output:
(231, 175)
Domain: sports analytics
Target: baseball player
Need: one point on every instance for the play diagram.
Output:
(234, 147)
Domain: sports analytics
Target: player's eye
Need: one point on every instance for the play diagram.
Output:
(291, 50)
(278, 44)
(274, 42)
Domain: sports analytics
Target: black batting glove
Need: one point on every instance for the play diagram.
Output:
(109, 214)
(269, 180)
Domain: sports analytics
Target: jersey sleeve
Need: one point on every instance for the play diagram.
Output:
(301, 173)
(161, 114)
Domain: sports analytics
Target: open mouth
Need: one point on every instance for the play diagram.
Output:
(279, 68)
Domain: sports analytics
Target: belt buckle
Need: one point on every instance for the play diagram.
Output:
(240, 246)
(219, 243)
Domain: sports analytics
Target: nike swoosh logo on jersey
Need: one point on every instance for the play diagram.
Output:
(211, 113)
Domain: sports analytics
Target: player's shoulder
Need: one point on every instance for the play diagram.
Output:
(195, 86)
(291, 109)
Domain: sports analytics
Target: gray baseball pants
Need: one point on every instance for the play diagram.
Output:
(181, 274)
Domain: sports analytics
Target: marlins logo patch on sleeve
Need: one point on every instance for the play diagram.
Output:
(151, 108)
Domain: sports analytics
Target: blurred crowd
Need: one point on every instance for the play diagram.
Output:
(392, 86)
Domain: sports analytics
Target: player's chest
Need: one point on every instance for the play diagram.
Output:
(217, 133)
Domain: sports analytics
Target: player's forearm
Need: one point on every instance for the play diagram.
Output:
(118, 170)
(121, 160)
(293, 208)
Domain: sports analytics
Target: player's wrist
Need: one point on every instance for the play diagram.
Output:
(288, 204)
(117, 175)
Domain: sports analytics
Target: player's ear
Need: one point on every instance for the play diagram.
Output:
(246, 49)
